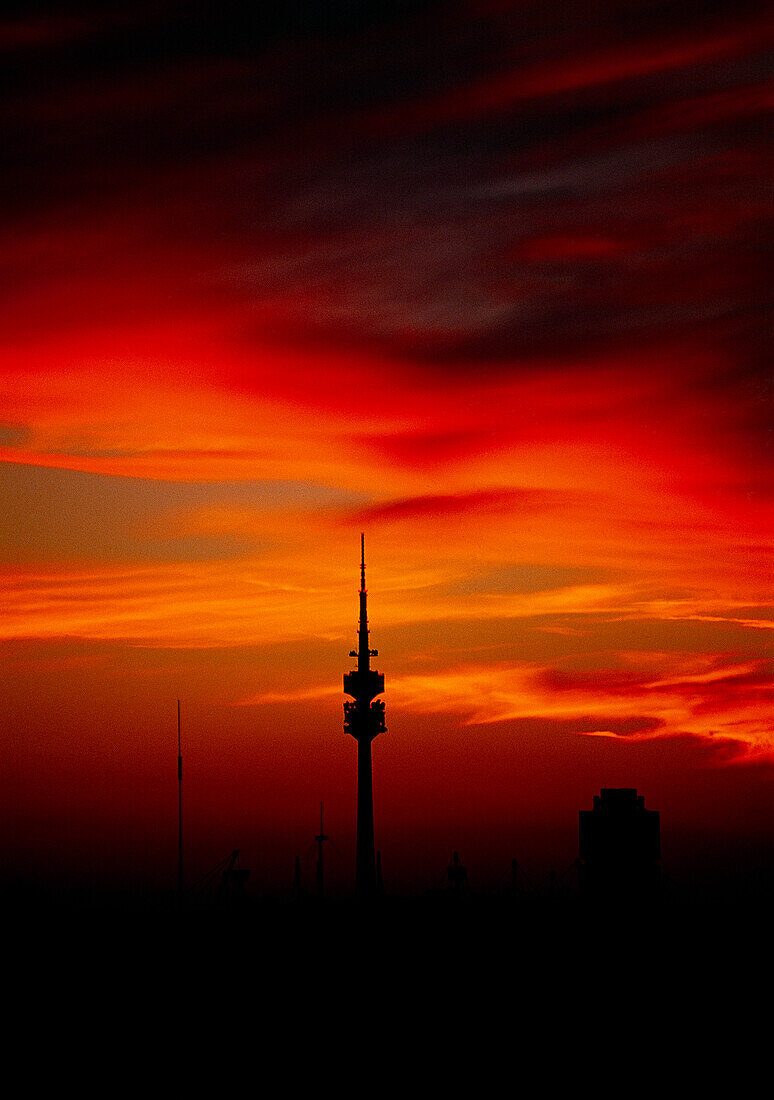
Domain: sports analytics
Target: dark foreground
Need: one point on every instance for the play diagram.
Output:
(439, 992)
(468, 941)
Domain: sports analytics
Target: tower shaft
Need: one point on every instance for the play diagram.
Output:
(365, 867)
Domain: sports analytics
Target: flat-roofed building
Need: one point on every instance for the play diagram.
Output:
(619, 845)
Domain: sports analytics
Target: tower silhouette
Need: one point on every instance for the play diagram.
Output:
(364, 719)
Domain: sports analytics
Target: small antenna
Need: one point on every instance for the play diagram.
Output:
(321, 838)
(362, 561)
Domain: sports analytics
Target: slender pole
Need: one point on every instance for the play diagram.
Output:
(297, 890)
(320, 840)
(179, 809)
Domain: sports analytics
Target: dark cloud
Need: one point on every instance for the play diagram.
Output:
(448, 184)
(427, 448)
(724, 684)
(621, 727)
(642, 726)
(482, 501)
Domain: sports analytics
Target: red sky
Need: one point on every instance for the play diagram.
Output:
(485, 281)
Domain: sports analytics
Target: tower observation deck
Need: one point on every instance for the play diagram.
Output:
(364, 719)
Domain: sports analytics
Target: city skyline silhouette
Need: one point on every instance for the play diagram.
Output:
(485, 281)
(617, 859)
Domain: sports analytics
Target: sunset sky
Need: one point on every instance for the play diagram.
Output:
(485, 281)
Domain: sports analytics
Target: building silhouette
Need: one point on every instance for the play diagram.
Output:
(364, 719)
(619, 845)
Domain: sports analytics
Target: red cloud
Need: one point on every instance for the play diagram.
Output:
(483, 501)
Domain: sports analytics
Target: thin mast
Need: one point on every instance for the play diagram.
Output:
(179, 809)
(321, 838)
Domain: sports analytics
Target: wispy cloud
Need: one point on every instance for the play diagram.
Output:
(728, 703)
(485, 280)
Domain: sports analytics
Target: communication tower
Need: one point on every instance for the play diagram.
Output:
(364, 719)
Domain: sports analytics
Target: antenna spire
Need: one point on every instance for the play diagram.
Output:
(364, 654)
